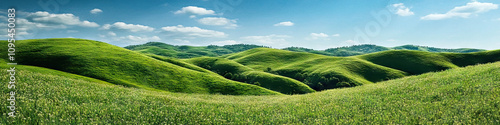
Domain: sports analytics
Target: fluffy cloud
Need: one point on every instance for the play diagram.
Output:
(402, 10)
(58, 20)
(192, 31)
(267, 40)
(225, 42)
(322, 36)
(95, 11)
(29, 24)
(287, 23)
(3, 18)
(318, 36)
(463, 11)
(194, 10)
(25, 28)
(128, 27)
(111, 33)
(218, 21)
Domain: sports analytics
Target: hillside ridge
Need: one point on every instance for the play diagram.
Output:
(184, 51)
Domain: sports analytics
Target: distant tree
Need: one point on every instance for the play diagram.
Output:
(256, 83)
(228, 75)
(269, 69)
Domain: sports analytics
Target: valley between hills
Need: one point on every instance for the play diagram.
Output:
(74, 81)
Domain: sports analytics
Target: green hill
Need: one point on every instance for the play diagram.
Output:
(326, 72)
(355, 50)
(245, 73)
(167, 50)
(124, 67)
(433, 49)
(413, 62)
(235, 71)
(457, 96)
(184, 51)
(418, 62)
(318, 71)
(367, 48)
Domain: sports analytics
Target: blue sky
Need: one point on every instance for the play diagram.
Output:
(317, 24)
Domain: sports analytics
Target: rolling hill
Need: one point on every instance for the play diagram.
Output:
(124, 67)
(325, 72)
(235, 71)
(167, 50)
(251, 72)
(457, 96)
(184, 51)
(318, 71)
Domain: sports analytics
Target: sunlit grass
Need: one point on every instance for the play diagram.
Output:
(467, 95)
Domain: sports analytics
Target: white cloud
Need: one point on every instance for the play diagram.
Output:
(72, 31)
(26, 29)
(3, 18)
(402, 10)
(225, 42)
(95, 11)
(287, 23)
(192, 31)
(194, 10)
(321, 36)
(128, 27)
(112, 33)
(60, 20)
(268, 40)
(472, 8)
(315, 36)
(218, 21)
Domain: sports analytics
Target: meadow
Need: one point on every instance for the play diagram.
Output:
(467, 95)
(78, 81)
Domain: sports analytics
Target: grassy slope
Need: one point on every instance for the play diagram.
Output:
(433, 49)
(235, 71)
(418, 62)
(325, 72)
(467, 95)
(413, 62)
(318, 71)
(124, 67)
(167, 50)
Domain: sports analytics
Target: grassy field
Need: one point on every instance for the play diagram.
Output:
(258, 71)
(120, 66)
(75, 81)
(467, 95)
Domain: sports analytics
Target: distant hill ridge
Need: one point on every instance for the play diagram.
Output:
(258, 71)
(184, 51)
